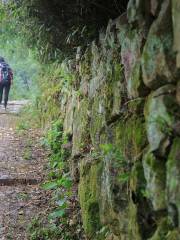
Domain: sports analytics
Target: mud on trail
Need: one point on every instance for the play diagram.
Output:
(21, 172)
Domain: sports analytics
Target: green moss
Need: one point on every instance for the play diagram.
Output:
(157, 57)
(162, 230)
(80, 127)
(117, 73)
(131, 137)
(137, 179)
(136, 106)
(97, 120)
(85, 64)
(173, 177)
(131, 59)
(89, 189)
(173, 235)
(133, 228)
(155, 174)
(160, 118)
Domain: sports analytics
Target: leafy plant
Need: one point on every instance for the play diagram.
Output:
(57, 224)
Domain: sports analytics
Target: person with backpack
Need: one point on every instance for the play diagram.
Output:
(6, 78)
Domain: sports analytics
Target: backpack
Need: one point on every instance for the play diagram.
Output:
(4, 73)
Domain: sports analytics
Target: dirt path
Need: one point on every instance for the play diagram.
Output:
(21, 168)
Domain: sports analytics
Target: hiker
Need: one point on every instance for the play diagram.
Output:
(6, 78)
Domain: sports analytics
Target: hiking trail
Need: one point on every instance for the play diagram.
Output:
(21, 172)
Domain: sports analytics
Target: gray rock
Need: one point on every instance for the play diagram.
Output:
(80, 127)
(157, 59)
(68, 120)
(131, 59)
(155, 174)
(173, 180)
(176, 29)
(160, 117)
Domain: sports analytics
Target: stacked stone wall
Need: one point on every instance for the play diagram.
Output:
(123, 116)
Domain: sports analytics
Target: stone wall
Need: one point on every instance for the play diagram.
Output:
(122, 113)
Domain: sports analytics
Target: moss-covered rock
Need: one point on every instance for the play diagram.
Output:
(69, 114)
(80, 127)
(142, 223)
(113, 194)
(133, 227)
(98, 120)
(160, 113)
(176, 29)
(122, 145)
(98, 71)
(131, 45)
(130, 137)
(138, 11)
(162, 230)
(173, 180)
(155, 174)
(106, 104)
(125, 191)
(89, 189)
(84, 71)
(158, 59)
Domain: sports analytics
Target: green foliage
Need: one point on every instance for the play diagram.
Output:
(37, 230)
(60, 184)
(20, 58)
(60, 26)
(54, 79)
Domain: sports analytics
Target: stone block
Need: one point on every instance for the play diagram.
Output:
(131, 45)
(89, 189)
(161, 111)
(80, 127)
(173, 180)
(155, 175)
(69, 114)
(158, 60)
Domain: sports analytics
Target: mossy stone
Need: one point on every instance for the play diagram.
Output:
(133, 227)
(162, 230)
(158, 59)
(155, 175)
(130, 137)
(69, 113)
(173, 180)
(176, 29)
(89, 189)
(131, 59)
(138, 11)
(98, 120)
(160, 113)
(80, 127)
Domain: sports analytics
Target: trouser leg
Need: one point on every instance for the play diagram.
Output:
(6, 93)
(1, 92)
